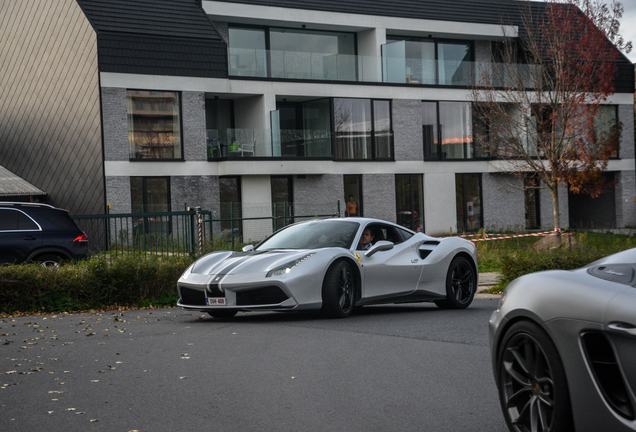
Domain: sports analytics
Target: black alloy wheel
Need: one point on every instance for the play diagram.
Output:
(531, 381)
(461, 284)
(338, 290)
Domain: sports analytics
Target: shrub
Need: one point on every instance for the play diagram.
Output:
(95, 283)
(519, 263)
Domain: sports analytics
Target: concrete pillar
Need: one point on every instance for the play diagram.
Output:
(439, 203)
(256, 201)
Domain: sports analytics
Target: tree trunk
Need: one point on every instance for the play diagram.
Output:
(554, 190)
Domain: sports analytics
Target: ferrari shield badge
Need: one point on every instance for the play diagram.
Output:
(358, 256)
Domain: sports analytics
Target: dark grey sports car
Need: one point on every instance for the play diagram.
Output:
(333, 265)
(564, 348)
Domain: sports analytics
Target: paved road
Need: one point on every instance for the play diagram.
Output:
(389, 368)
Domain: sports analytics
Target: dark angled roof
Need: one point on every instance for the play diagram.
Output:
(475, 11)
(156, 37)
(171, 18)
(12, 185)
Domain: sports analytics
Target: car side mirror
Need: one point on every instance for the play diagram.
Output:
(380, 246)
(248, 248)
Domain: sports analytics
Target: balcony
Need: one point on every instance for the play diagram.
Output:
(305, 66)
(261, 143)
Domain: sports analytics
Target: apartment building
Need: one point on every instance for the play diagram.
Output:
(248, 106)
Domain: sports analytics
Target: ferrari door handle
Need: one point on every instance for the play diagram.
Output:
(414, 260)
(623, 328)
(30, 238)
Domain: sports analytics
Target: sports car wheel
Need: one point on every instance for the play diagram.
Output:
(461, 284)
(222, 313)
(531, 381)
(338, 290)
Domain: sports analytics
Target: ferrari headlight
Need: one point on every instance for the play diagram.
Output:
(284, 269)
(187, 271)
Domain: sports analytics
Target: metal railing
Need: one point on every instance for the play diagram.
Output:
(186, 232)
(389, 68)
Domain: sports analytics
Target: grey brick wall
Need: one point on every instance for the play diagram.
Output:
(407, 129)
(318, 194)
(503, 199)
(114, 114)
(195, 191)
(378, 195)
(118, 194)
(625, 195)
(193, 120)
(626, 116)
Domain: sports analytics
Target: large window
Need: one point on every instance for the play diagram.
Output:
(231, 209)
(292, 54)
(448, 131)
(248, 55)
(409, 201)
(282, 200)
(362, 129)
(605, 124)
(154, 125)
(219, 122)
(353, 195)
(468, 200)
(305, 128)
(532, 201)
(150, 194)
(426, 61)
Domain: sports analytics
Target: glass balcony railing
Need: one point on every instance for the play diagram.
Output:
(245, 143)
(306, 66)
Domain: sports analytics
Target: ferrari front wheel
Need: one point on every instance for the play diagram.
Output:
(338, 290)
(461, 284)
(531, 381)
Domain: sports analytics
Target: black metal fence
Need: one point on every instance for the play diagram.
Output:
(184, 232)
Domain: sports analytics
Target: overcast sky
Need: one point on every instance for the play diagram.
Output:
(628, 25)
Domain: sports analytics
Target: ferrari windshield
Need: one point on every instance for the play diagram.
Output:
(313, 235)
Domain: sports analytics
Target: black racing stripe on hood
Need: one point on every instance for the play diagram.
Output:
(240, 258)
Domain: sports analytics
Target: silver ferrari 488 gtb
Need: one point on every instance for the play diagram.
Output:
(563, 346)
(333, 265)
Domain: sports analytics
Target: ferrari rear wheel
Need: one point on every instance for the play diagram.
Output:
(222, 313)
(338, 290)
(531, 381)
(461, 284)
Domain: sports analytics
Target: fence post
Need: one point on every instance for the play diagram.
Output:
(192, 234)
(197, 211)
(338, 207)
(285, 213)
(275, 217)
(232, 222)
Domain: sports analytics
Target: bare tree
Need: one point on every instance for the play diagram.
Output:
(541, 106)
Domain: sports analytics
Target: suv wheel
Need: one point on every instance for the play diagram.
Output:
(49, 260)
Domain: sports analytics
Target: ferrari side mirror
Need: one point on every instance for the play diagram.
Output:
(248, 248)
(380, 246)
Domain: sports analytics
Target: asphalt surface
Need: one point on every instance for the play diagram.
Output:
(386, 368)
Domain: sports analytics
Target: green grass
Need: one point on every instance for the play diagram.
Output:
(515, 257)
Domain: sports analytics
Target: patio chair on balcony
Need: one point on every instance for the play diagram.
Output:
(246, 142)
(247, 148)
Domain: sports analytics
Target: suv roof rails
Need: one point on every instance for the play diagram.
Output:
(2, 203)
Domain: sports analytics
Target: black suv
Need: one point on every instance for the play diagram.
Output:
(39, 233)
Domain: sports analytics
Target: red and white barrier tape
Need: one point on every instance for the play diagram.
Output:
(521, 235)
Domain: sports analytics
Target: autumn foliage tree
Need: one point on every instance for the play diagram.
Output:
(541, 105)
